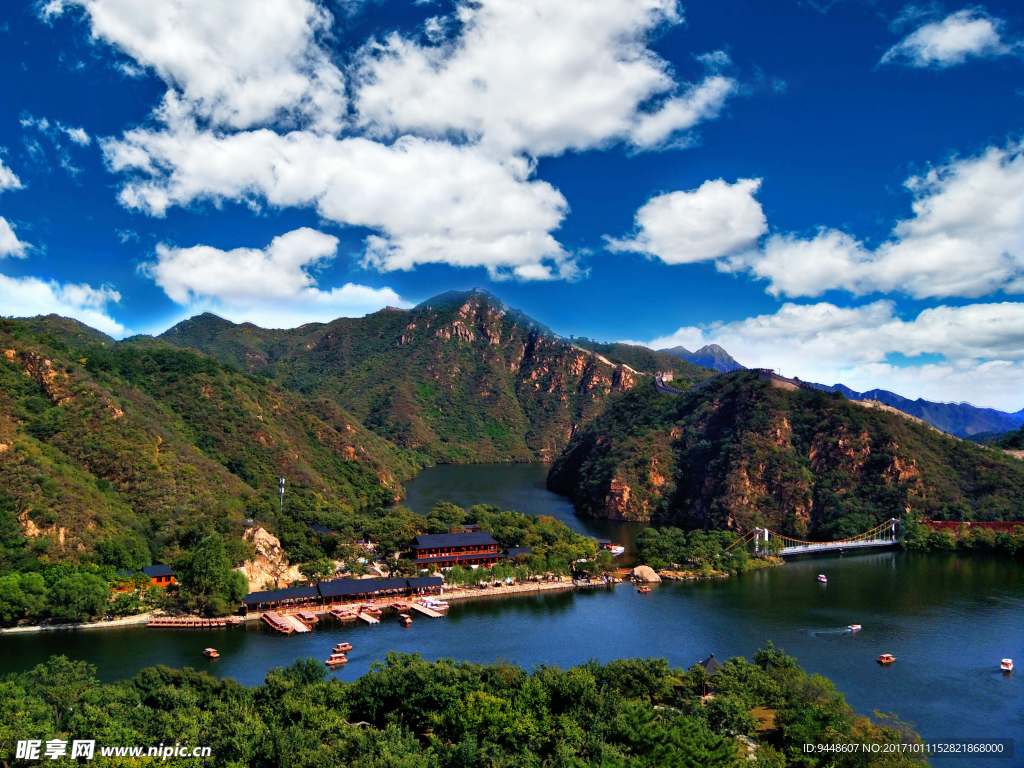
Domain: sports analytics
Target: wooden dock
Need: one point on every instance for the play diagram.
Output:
(427, 611)
(368, 618)
(297, 625)
(188, 622)
(276, 621)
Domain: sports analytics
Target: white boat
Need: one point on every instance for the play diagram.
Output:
(617, 549)
(1007, 665)
(854, 627)
(822, 579)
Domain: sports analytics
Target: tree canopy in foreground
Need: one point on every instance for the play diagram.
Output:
(407, 712)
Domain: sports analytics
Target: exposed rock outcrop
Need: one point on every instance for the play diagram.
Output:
(269, 569)
(645, 574)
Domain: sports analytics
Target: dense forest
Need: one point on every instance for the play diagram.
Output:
(410, 713)
(740, 453)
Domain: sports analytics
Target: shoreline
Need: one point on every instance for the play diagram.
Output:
(142, 618)
(455, 593)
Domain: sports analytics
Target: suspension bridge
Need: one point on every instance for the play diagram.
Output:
(885, 535)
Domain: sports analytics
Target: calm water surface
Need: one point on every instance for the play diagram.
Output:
(948, 619)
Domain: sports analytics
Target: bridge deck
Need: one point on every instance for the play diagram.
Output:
(828, 546)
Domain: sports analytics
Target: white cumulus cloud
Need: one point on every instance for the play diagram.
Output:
(274, 286)
(981, 346)
(716, 219)
(429, 201)
(30, 296)
(8, 180)
(436, 153)
(237, 64)
(537, 76)
(10, 245)
(951, 41)
(965, 237)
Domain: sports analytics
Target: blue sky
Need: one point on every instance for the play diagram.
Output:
(832, 189)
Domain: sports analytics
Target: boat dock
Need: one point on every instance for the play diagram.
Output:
(368, 618)
(284, 623)
(189, 622)
(427, 611)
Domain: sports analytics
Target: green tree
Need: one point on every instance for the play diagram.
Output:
(207, 579)
(61, 682)
(78, 597)
(676, 743)
(318, 570)
(203, 571)
(21, 595)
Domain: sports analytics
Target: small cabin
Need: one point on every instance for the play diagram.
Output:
(160, 575)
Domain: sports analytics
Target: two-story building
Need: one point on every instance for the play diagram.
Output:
(444, 550)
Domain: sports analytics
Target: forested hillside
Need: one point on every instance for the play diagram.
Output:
(740, 452)
(151, 446)
(461, 377)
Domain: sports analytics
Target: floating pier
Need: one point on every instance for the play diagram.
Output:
(189, 622)
(426, 611)
(368, 618)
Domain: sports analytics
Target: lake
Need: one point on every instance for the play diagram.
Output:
(948, 619)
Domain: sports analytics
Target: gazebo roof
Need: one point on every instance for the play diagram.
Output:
(711, 665)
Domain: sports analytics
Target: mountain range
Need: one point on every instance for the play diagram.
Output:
(150, 441)
(461, 377)
(710, 356)
(958, 419)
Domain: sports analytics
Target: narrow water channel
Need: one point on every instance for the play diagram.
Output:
(949, 619)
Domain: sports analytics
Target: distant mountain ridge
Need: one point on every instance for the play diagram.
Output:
(958, 419)
(709, 356)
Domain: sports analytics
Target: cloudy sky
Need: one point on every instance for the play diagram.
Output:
(833, 189)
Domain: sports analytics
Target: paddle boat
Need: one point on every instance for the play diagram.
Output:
(886, 658)
(822, 579)
(1007, 665)
(211, 653)
(854, 627)
(405, 619)
(643, 590)
(335, 659)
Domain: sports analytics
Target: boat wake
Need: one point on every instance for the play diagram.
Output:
(832, 631)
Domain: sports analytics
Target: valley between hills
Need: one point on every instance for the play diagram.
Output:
(152, 442)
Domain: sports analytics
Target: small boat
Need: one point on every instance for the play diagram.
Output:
(854, 627)
(211, 653)
(617, 549)
(643, 590)
(335, 659)
(343, 647)
(886, 658)
(822, 579)
(307, 617)
(1007, 665)
(405, 620)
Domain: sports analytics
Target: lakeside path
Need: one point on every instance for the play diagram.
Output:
(142, 618)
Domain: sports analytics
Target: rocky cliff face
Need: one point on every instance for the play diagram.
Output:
(269, 568)
(740, 453)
